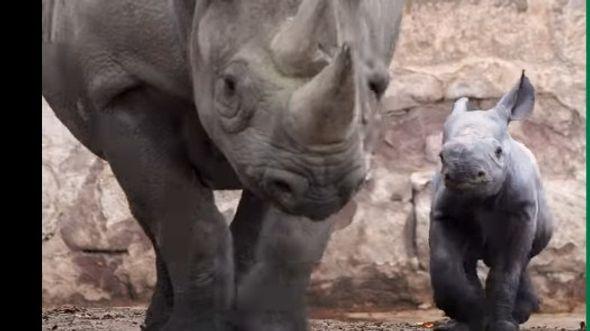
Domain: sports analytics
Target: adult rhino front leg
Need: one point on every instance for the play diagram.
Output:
(139, 134)
(275, 255)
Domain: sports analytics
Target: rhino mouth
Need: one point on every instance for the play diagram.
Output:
(316, 214)
(465, 185)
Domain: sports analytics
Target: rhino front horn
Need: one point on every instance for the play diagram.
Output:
(323, 110)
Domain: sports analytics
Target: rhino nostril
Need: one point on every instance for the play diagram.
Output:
(481, 174)
(281, 187)
(447, 177)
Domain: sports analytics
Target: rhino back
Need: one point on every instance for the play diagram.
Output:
(111, 46)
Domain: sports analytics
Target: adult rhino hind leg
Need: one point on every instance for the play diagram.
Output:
(140, 138)
(278, 253)
(61, 83)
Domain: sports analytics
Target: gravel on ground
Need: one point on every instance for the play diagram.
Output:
(72, 318)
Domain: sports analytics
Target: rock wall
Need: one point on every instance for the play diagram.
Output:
(94, 252)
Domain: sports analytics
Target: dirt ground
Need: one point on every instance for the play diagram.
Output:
(130, 318)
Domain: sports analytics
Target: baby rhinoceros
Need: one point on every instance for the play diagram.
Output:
(488, 204)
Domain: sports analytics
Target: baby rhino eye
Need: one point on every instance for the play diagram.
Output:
(498, 152)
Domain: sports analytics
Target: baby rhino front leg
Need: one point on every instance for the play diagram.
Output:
(457, 291)
(512, 242)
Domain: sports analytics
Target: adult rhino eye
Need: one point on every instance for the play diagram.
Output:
(498, 152)
(378, 85)
(375, 89)
(229, 84)
(226, 96)
(235, 98)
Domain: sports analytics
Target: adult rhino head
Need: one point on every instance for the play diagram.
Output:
(289, 91)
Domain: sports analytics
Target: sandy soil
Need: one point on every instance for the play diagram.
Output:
(130, 318)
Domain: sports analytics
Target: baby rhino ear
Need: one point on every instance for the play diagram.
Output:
(518, 103)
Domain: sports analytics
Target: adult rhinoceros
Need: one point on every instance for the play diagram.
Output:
(277, 98)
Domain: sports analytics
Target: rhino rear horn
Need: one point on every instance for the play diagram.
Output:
(295, 48)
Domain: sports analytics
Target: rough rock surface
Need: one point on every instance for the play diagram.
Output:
(95, 253)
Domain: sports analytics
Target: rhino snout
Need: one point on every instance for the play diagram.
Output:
(463, 167)
(454, 177)
(299, 195)
(284, 187)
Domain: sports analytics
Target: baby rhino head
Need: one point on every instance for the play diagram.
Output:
(476, 144)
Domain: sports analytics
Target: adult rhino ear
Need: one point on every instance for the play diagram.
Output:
(519, 102)
(461, 105)
(183, 12)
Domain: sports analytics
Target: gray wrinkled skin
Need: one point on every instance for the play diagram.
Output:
(488, 204)
(277, 98)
